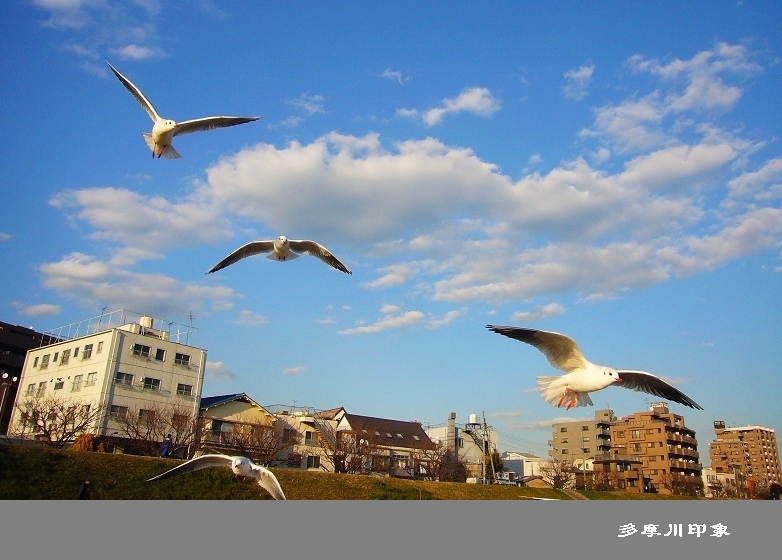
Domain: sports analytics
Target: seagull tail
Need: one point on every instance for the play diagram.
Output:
(289, 257)
(549, 388)
(552, 388)
(168, 152)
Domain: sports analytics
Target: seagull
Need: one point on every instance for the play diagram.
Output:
(164, 130)
(282, 249)
(241, 466)
(582, 376)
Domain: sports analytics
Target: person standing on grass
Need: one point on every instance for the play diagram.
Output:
(84, 491)
(166, 446)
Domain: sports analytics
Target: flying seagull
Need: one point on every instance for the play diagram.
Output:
(241, 466)
(164, 130)
(282, 249)
(582, 376)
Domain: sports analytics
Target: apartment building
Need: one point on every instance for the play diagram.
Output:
(580, 441)
(131, 366)
(749, 452)
(667, 448)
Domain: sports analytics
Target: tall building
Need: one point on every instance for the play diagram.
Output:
(472, 441)
(667, 448)
(580, 441)
(749, 452)
(15, 341)
(116, 369)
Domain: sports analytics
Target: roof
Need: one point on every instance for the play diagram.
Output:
(211, 402)
(393, 433)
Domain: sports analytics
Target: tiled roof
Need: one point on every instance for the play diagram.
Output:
(209, 402)
(395, 433)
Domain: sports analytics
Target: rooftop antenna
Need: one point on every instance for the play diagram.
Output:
(103, 309)
(191, 317)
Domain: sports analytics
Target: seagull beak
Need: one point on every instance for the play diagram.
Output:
(619, 380)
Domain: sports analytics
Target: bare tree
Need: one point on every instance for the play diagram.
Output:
(261, 442)
(55, 420)
(347, 451)
(148, 426)
(560, 474)
(452, 468)
(426, 462)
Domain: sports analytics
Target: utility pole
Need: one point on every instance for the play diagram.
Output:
(487, 448)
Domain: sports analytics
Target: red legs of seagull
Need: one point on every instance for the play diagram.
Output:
(573, 400)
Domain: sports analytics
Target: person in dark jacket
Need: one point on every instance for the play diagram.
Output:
(84, 491)
(166, 446)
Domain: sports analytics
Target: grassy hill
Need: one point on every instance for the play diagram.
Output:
(38, 473)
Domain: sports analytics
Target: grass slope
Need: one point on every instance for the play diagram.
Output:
(38, 473)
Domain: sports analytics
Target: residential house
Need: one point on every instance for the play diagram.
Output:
(749, 452)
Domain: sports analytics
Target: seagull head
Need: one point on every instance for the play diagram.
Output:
(281, 243)
(613, 375)
(241, 466)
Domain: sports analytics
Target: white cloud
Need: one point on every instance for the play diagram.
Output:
(218, 371)
(540, 312)
(297, 370)
(308, 104)
(394, 75)
(89, 279)
(248, 318)
(138, 52)
(4, 236)
(477, 100)
(578, 79)
(393, 275)
(38, 310)
(393, 318)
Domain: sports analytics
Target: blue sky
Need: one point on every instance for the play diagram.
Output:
(611, 171)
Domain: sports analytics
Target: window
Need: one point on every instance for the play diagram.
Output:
(45, 361)
(41, 389)
(87, 352)
(77, 380)
(141, 350)
(182, 359)
(563, 440)
(145, 415)
(85, 411)
(313, 462)
(100, 347)
(91, 379)
(151, 383)
(563, 430)
(66, 355)
(635, 433)
(123, 379)
(584, 428)
(565, 451)
(160, 354)
(31, 389)
(310, 438)
(76, 352)
(56, 355)
(620, 433)
(118, 412)
(636, 447)
(585, 438)
(185, 390)
(59, 385)
(35, 363)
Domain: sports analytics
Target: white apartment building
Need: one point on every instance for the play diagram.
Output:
(131, 366)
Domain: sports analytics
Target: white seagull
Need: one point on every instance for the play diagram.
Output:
(241, 466)
(282, 249)
(164, 130)
(582, 376)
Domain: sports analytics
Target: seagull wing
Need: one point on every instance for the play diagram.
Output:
(561, 351)
(202, 462)
(246, 250)
(317, 250)
(268, 482)
(143, 101)
(648, 383)
(208, 123)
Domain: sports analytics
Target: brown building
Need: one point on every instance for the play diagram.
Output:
(580, 441)
(749, 452)
(667, 448)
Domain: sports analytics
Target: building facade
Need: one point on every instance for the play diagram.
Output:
(579, 442)
(15, 341)
(129, 368)
(472, 441)
(667, 448)
(749, 452)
